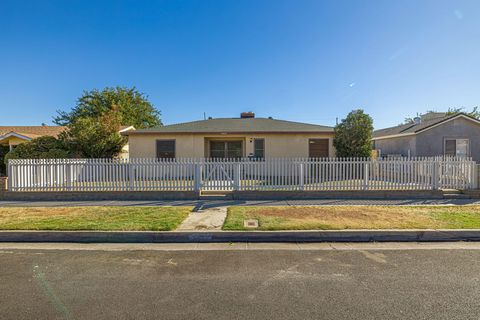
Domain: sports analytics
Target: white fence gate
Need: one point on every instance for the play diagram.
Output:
(317, 174)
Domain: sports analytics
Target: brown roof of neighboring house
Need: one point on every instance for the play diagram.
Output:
(32, 131)
(413, 128)
(237, 125)
(40, 131)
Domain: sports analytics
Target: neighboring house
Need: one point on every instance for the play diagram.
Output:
(12, 136)
(246, 136)
(124, 154)
(432, 134)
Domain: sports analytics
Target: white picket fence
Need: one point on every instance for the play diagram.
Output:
(317, 174)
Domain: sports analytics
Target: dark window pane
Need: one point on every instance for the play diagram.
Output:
(217, 149)
(217, 153)
(450, 147)
(166, 149)
(318, 148)
(234, 149)
(226, 149)
(259, 148)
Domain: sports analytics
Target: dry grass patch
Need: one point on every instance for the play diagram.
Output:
(93, 218)
(355, 217)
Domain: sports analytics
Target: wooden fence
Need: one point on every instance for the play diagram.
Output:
(311, 174)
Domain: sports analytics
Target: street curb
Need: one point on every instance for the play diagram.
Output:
(242, 236)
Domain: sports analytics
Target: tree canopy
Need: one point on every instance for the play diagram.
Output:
(353, 135)
(474, 113)
(132, 106)
(92, 137)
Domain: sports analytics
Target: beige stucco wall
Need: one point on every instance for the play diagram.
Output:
(13, 141)
(194, 146)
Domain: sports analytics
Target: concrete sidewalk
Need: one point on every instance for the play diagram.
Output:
(241, 246)
(205, 204)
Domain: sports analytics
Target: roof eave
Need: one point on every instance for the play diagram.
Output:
(226, 132)
(15, 135)
(399, 135)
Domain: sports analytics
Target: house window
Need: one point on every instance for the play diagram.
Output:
(318, 148)
(226, 149)
(259, 148)
(456, 147)
(166, 149)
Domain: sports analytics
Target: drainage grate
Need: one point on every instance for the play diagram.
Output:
(250, 223)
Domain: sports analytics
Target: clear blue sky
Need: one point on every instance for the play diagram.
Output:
(299, 60)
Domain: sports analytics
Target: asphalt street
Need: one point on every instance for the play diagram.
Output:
(229, 281)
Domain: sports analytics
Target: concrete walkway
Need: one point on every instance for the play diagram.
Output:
(241, 246)
(205, 204)
(204, 220)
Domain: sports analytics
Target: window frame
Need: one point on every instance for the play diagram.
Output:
(166, 140)
(225, 149)
(255, 148)
(456, 143)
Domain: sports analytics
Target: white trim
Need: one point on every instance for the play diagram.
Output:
(395, 136)
(427, 128)
(16, 135)
(127, 129)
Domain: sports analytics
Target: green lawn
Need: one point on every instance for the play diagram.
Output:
(93, 218)
(355, 217)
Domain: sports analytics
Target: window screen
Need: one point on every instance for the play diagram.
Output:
(166, 149)
(456, 147)
(450, 147)
(259, 148)
(226, 149)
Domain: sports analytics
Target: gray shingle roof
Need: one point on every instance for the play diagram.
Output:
(237, 125)
(413, 127)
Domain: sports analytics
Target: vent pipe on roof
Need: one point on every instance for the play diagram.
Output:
(245, 115)
(417, 120)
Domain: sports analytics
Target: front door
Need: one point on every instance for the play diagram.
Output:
(226, 149)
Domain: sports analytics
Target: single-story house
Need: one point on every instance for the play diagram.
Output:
(246, 136)
(432, 134)
(15, 135)
(12, 136)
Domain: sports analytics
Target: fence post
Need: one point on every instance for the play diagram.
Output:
(9, 175)
(236, 177)
(131, 176)
(476, 176)
(68, 176)
(197, 177)
(436, 175)
(365, 176)
(302, 176)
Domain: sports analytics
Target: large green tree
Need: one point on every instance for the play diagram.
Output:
(132, 106)
(353, 135)
(39, 148)
(94, 137)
